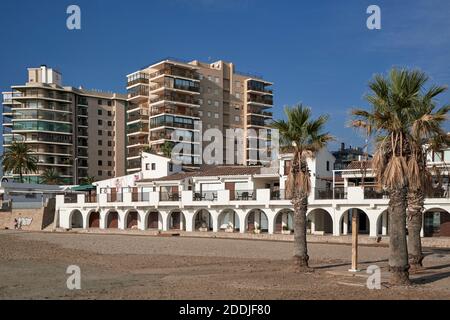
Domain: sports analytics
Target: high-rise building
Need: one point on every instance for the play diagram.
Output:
(175, 96)
(78, 133)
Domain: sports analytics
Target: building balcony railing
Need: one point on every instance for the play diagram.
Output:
(262, 100)
(279, 195)
(71, 198)
(374, 193)
(169, 196)
(172, 124)
(175, 99)
(205, 196)
(90, 198)
(254, 121)
(257, 111)
(174, 110)
(138, 81)
(243, 195)
(330, 194)
(137, 116)
(115, 197)
(175, 72)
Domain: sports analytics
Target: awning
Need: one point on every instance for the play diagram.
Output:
(88, 187)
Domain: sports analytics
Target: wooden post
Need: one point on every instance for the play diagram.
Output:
(355, 231)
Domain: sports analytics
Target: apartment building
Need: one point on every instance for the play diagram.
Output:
(77, 132)
(172, 101)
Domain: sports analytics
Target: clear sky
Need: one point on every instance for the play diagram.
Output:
(316, 52)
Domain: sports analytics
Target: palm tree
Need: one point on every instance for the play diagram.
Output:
(18, 160)
(88, 180)
(392, 100)
(427, 134)
(305, 137)
(50, 176)
(167, 148)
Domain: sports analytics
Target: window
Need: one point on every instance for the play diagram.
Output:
(238, 95)
(109, 123)
(201, 77)
(100, 122)
(216, 92)
(200, 101)
(109, 163)
(200, 113)
(328, 165)
(153, 166)
(237, 107)
(110, 103)
(100, 112)
(109, 113)
(209, 114)
(109, 133)
(209, 89)
(217, 80)
(109, 143)
(170, 167)
(147, 166)
(100, 142)
(100, 102)
(100, 173)
(209, 78)
(100, 152)
(100, 163)
(237, 118)
(109, 153)
(216, 103)
(109, 174)
(209, 102)
(100, 132)
(216, 115)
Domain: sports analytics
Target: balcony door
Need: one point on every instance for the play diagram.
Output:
(231, 186)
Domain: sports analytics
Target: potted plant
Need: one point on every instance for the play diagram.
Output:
(286, 230)
(257, 230)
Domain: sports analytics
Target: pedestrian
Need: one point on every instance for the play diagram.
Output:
(16, 223)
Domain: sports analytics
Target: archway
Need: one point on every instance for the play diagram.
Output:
(112, 220)
(320, 222)
(177, 221)
(132, 219)
(153, 219)
(94, 219)
(383, 224)
(436, 223)
(76, 220)
(229, 221)
(345, 223)
(284, 221)
(257, 221)
(203, 221)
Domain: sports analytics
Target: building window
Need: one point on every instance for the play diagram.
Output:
(216, 103)
(100, 122)
(216, 92)
(100, 173)
(109, 103)
(209, 89)
(200, 113)
(100, 163)
(170, 167)
(109, 153)
(100, 142)
(209, 114)
(201, 77)
(153, 166)
(100, 132)
(217, 80)
(209, 102)
(100, 102)
(238, 95)
(109, 174)
(109, 163)
(109, 133)
(109, 113)
(216, 115)
(147, 166)
(200, 101)
(237, 118)
(109, 143)
(109, 123)
(328, 165)
(100, 152)
(209, 78)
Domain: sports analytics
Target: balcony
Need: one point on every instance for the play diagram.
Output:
(176, 72)
(243, 195)
(205, 196)
(138, 93)
(265, 100)
(169, 196)
(279, 195)
(330, 194)
(137, 128)
(71, 198)
(259, 86)
(90, 198)
(256, 121)
(141, 116)
(175, 99)
(177, 125)
(374, 193)
(168, 109)
(114, 197)
(259, 112)
(140, 79)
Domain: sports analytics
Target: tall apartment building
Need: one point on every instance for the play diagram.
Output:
(77, 132)
(173, 96)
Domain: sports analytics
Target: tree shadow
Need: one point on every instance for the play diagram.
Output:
(431, 278)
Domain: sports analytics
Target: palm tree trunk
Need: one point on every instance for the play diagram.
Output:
(301, 257)
(21, 176)
(398, 249)
(416, 200)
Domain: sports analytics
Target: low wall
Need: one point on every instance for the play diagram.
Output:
(32, 219)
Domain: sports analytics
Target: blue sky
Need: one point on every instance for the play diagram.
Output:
(317, 52)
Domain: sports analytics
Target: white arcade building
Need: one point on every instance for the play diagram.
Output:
(245, 199)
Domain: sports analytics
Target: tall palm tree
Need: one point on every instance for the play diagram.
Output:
(51, 177)
(392, 100)
(167, 148)
(305, 137)
(18, 160)
(427, 134)
(88, 180)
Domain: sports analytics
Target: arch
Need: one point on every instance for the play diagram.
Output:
(203, 221)
(93, 219)
(76, 219)
(320, 222)
(176, 220)
(383, 223)
(153, 220)
(284, 221)
(345, 222)
(228, 221)
(256, 221)
(112, 220)
(436, 223)
(132, 219)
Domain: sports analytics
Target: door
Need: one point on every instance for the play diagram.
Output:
(153, 220)
(279, 223)
(113, 220)
(94, 220)
(113, 195)
(251, 222)
(132, 220)
(176, 220)
(232, 187)
(134, 194)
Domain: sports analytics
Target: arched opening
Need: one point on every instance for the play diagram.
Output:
(203, 221)
(177, 221)
(383, 224)
(229, 221)
(153, 220)
(319, 222)
(346, 222)
(132, 220)
(94, 220)
(76, 220)
(436, 223)
(257, 222)
(112, 220)
(284, 222)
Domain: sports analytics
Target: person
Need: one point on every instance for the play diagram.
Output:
(16, 223)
